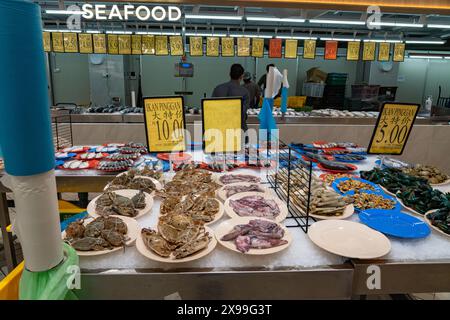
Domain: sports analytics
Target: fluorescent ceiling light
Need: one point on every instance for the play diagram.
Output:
(447, 58)
(425, 41)
(419, 56)
(275, 19)
(212, 17)
(119, 32)
(396, 24)
(237, 35)
(62, 30)
(382, 40)
(160, 33)
(66, 12)
(325, 21)
(297, 37)
(340, 39)
(439, 26)
(199, 34)
(92, 31)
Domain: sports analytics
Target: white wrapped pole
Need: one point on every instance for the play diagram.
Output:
(269, 83)
(37, 218)
(133, 99)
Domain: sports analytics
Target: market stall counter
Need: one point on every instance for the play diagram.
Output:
(302, 270)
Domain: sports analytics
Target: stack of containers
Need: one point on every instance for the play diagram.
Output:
(334, 94)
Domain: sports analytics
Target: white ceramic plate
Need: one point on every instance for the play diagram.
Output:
(222, 194)
(431, 225)
(283, 207)
(133, 231)
(126, 193)
(228, 225)
(440, 184)
(349, 239)
(157, 183)
(217, 177)
(141, 247)
(348, 212)
(387, 191)
(219, 214)
(409, 209)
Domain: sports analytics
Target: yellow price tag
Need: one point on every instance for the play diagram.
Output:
(124, 44)
(222, 123)
(384, 51)
(369, 51)
(176, 46)
(290, 49)
(399, 52)
(85, 41)
(161, 47)
(113, 44)
(165, 124)
(227, 47)
(99, 43)
(257, 47)
(212, 46)
(243, 47)
(57, 42)
(148, 44)
(46, 41)
(309, 50)
(196, 46)
(136, 44)
(393, 127)
(70, 42)
(353, 48)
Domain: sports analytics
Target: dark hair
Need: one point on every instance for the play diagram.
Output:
(236, 71)
(268, 66)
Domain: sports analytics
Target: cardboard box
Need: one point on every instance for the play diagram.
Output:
(316, 75)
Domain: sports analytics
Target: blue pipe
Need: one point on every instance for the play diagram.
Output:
(25, 126)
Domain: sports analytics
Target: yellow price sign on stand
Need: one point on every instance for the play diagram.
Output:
(309, 49)
(392, 129)
(165, 124)
(369, 51)
(148, 44)
(99, 43)
(257, 47)
(113, 44)
(222, 124)
(46, 41)
(196, 46)
(243, 47)
(227, 47)
(85, 41)
(212, 46)
(70, 42)
(399, 52)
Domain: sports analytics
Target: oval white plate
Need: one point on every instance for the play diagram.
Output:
(222, 194)
(126, 193)
(133, 231)
(218, 176)
(432, 226)
(219, 214)
(408, 208)
(348, 212)
(157, 183)
(283, 207)
(387, 191)
(140, 246)
(349, 239)
(440, 184)
(228, 225)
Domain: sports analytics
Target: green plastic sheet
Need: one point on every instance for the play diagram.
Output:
(51, 284)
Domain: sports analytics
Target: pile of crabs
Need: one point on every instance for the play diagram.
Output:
(188, 203)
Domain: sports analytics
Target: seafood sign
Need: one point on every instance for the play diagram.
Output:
(393, 127)
(165, 124)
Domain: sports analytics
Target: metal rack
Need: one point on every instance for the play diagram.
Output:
(291, 180)
(62, 131)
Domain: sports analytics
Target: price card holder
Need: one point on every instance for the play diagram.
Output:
(99, 41)
(46, 38)
(331, 48)
(393, 127)
(165, 124)
(222, 124)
